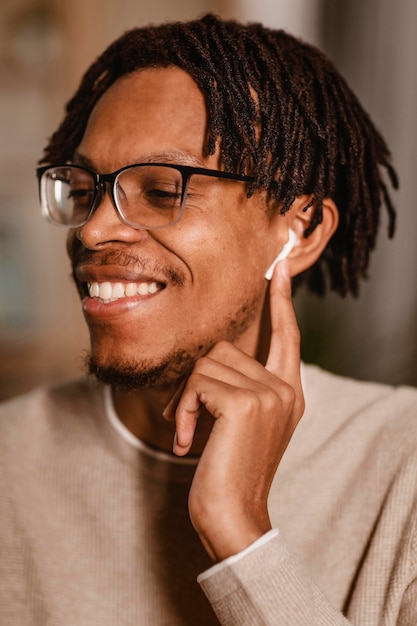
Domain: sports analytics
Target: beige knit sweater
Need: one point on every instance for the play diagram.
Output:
(94, 531)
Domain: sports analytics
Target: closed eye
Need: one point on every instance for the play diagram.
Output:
(162, 198)
(79, 193)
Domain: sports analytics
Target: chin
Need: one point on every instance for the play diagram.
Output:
(129, 375)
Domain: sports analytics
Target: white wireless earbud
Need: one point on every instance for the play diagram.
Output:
(284, 252)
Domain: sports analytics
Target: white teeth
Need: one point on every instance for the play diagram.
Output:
(108, 292)
(94, 290)
(142, 289)
(118, 290)
(131, 289)
(105, 291)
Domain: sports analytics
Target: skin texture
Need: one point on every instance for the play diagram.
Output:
(192, 344)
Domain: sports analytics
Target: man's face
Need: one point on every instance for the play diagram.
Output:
(193, 283)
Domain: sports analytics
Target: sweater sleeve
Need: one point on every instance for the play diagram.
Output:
(268, 587)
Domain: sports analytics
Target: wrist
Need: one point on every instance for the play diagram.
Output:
(227, 537)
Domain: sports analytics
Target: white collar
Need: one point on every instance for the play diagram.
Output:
(133, 441)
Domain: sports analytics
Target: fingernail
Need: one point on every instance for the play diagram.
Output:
(177, 448)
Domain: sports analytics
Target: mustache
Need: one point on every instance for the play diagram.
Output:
(124, 259)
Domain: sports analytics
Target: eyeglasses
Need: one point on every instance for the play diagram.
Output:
(148, 195)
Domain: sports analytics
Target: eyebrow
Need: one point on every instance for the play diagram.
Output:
(173, 157)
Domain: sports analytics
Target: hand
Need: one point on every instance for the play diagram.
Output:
(255, 411)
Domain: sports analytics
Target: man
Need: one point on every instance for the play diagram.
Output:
(187, 158)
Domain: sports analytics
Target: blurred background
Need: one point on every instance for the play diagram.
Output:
(45, 46)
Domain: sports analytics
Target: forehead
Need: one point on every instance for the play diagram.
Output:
(152, 112)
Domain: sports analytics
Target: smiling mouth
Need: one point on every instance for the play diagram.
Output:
(107, 291)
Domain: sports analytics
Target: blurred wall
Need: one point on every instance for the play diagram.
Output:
(45, 45)
(374, 45)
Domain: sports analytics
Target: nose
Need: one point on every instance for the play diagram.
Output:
(105, 226)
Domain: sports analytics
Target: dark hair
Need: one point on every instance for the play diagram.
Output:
(281, 111)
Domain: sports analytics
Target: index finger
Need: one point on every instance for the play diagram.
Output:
(284, 350)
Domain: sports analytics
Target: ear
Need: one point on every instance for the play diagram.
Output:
(308, 249)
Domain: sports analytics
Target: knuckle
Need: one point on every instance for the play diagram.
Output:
(220, 349)
(270, 399)
(285, 398)
(289, 394)
(250, 402)
(201, 365)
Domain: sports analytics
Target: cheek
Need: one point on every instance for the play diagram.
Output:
(227, 268)
(222, 241)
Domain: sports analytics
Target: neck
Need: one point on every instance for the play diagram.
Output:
(141, 412)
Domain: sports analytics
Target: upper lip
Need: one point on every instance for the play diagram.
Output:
(92, 273)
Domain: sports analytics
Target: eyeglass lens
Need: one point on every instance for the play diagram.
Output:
(149, 196)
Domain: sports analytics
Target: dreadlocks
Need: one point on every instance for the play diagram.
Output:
(278, 109)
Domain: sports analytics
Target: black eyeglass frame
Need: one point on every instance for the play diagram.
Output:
(186, 172)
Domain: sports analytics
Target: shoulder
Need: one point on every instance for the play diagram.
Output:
(344, 396)
(357, 414)
(48, 409)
